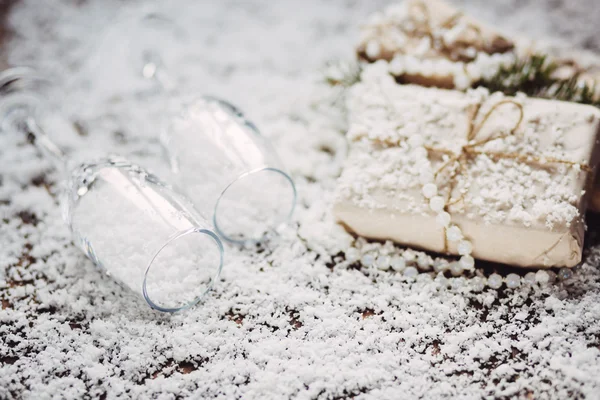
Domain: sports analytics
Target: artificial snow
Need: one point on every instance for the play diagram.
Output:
(292, 318)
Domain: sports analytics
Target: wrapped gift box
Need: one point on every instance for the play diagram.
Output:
(510, 173)
(431, 43)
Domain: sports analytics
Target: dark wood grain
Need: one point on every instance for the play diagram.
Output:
(5, 6)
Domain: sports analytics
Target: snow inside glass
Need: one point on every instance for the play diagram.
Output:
(222, 163)
(142, 234)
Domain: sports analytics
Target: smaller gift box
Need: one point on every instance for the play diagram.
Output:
(481, 175)
(431, 43)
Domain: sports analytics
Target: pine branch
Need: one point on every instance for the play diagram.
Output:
(534, 76)
(342, 73)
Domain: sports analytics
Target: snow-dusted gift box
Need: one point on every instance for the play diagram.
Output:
(432, 43)
(482, 175)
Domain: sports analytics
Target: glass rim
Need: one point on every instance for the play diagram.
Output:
(197, 299)
(246, 175)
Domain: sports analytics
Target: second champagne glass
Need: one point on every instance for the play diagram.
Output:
(218, 158)
(221, 162)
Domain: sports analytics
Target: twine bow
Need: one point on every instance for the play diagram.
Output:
(470, 149)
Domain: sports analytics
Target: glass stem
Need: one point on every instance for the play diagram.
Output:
(43, 142)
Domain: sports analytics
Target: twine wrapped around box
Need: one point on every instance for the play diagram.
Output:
(470, 149)
(555, 238)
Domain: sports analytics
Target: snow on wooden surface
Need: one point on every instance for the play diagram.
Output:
(296, 317)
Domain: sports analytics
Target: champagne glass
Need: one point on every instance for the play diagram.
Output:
(217, 157)
(222, 163)
(125, 219)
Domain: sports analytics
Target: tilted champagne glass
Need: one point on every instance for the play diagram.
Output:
(222, 162)
(217, 157)
(124, 219)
